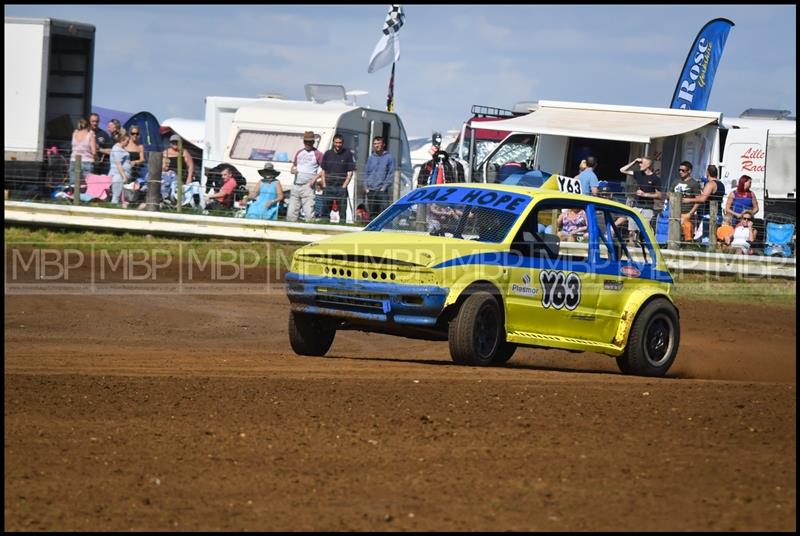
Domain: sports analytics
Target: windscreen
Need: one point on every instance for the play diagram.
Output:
(467, 213)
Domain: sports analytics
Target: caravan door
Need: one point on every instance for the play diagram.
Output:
(746, 154)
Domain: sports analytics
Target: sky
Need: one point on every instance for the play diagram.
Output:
(167, 59)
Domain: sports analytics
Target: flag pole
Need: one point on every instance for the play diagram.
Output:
(390, 96)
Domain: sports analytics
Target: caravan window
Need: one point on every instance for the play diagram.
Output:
(267, 146)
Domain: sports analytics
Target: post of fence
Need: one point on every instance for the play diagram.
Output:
(154, 162)
(713, 210)
(180, 174)
(674, 222)
(76, 190)
(395, 186)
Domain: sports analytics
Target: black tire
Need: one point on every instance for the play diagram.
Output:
(653, 341)
(504, 353)
(622, 363)
(310, 335)
(476, 334)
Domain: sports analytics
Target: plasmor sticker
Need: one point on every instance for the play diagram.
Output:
(560, 290)
(525, 289)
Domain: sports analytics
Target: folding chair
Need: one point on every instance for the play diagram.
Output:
(779, 237)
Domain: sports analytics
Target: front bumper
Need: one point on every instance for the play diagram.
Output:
(415, 305)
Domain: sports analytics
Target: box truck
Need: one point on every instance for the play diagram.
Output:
(48, 87)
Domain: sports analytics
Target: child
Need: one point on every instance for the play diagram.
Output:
(725, 232)
(168, 181)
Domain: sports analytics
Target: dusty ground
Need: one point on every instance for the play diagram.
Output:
(139, 408)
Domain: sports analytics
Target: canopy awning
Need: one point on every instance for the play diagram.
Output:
(619, 123)
(191, 130)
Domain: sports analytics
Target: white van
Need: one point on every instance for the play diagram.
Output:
(763, 145)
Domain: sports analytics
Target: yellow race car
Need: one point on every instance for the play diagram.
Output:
(490, 268)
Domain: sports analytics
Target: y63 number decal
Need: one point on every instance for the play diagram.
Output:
(559, 290)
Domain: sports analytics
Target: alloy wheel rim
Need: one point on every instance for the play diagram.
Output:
(486, 331)
(659, 340)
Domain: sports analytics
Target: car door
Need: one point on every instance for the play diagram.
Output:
(625, 260)
(552, 289)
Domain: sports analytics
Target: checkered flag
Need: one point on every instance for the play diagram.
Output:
(388, 48)
(394, 19)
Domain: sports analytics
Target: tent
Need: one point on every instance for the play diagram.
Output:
(150, 134)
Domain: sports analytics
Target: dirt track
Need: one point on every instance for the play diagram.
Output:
(190, 412)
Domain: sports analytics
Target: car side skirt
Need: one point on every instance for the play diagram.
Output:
(526, 338)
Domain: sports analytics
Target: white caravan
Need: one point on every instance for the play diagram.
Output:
(271, 130)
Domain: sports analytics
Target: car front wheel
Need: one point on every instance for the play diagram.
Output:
(476, 334)
(653, 341)
(310, 335)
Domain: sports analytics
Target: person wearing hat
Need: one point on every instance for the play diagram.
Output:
(305, 167)
(267, 197)
(172, 155)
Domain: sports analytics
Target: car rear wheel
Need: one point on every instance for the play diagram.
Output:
(476, 335)
(310, 335)
(653, 341)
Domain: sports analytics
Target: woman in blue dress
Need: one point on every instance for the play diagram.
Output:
(742, 199)
(270, 195)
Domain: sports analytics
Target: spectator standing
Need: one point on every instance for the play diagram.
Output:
(441, 169)
(713, 190)
(688, 187)
(589, 182)
(104, 144)
(114, 128)
(647, 184)
(305, 167)
(172, 155)
(223, 199)
(337, 167)
(379, 177)
(742, 199)
(268, 196)
(136, 152)
(85, 145)
(120, 169)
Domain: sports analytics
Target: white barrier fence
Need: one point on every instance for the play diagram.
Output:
(281, 231)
